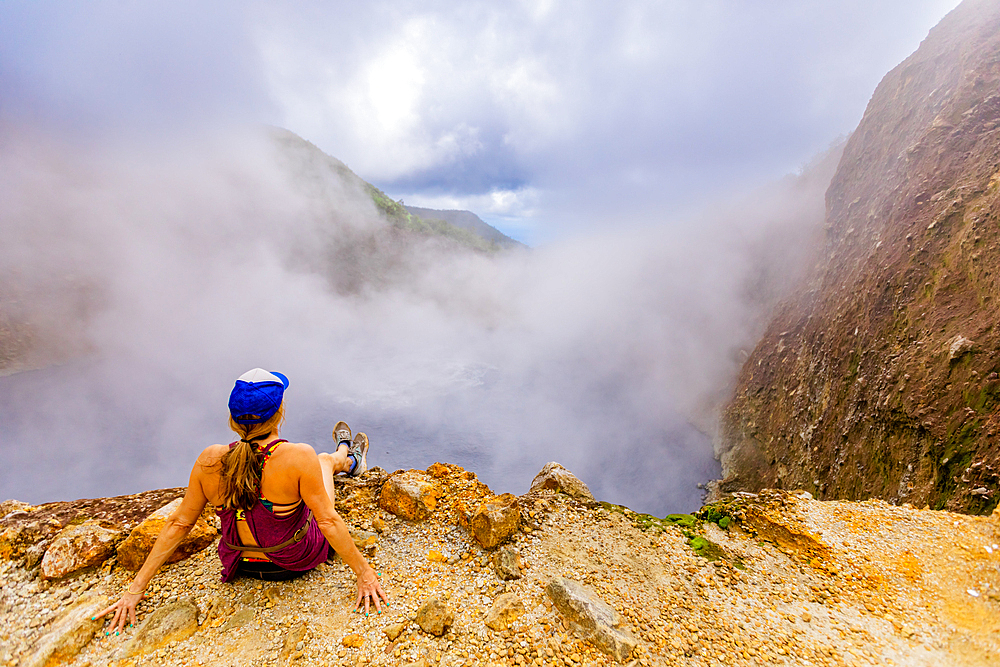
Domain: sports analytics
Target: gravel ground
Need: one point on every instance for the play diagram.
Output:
(890, 586)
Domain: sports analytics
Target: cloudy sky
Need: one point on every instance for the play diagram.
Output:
(543, 116)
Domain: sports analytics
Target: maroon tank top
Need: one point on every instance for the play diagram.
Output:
(270, 529)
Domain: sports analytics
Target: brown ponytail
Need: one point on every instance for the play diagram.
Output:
(239, 478)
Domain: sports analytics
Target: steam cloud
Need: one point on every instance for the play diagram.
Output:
(159, 274)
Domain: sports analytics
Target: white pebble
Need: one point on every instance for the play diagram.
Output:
(973, 593)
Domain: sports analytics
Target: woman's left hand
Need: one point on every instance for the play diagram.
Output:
(370, 591)
(124, 611)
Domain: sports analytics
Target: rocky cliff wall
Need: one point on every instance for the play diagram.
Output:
(880, 377)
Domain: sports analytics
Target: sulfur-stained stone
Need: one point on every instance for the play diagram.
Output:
(505, 610)
(33, 555)
(22, 533)
(434, 617)
(78, 547)
(393, 631)
(363, 539)
(11, 508)
(768, 516)
(133, 551)
(172, 622)
(238, 619)
(496, 520)
(507, 563)
(216, 610)
(410, 494)
(596, 620)
(69, 633)
(557, 478)
(30, 528)
(296, 634)
(353, 640)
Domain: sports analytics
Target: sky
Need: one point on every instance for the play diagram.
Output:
(546, 118)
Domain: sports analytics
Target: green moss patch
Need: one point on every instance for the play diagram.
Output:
(647, 522)
(718, 513)
(683, 520)
(711, 551)
(690, 526)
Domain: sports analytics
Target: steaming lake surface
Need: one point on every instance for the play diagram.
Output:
(145, 433)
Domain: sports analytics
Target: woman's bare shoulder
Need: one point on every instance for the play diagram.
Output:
(297, 449)
(293, 454)
(212, 454)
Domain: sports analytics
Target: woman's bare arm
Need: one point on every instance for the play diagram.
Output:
(313, 492)
(178, 525)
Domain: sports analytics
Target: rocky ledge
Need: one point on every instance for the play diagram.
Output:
(548, 578)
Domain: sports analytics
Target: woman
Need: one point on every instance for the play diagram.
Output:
(275, 500)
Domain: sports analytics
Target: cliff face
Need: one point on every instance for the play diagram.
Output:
(880, 377)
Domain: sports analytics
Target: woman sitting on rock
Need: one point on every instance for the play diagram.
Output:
(275, 500)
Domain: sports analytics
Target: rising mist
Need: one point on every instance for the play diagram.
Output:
(156, 274)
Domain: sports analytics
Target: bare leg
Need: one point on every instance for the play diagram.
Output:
(340, 461)
(328, 463)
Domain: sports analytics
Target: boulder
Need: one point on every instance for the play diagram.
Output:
(21, 533)
(69, 633)
(78, 547)
(557, 478)
(172, 622)
(505, 610)
(133, 551)
(410, 494)
(769, 515)
(958, 346)
(25, 527)
(496, 520)
(11, 508)
(434, 617)
(593, 617)
(507, 563)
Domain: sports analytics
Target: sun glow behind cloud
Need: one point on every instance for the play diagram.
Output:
(465, 101)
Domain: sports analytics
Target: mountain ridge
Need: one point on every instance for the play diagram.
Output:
(466, 220)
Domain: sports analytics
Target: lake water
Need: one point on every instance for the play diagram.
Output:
(90, 429)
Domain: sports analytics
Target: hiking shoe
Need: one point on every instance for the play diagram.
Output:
(342, 433)
(359, 451)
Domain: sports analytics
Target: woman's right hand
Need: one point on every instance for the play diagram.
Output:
(369, 591)
(124, 611)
